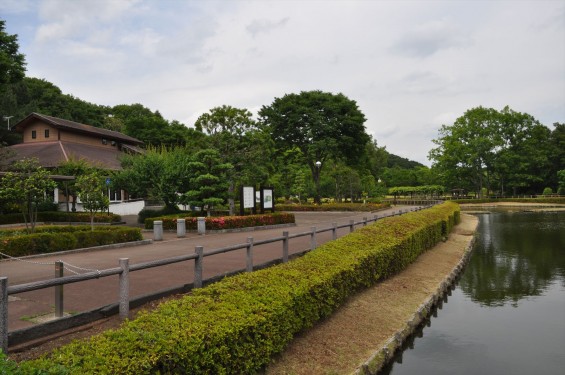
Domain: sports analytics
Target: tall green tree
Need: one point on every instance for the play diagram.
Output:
(27, 184)
(491, 149)
(12, 62)
(321, 125)
(208, 180)
(240, 142)
(76, 168)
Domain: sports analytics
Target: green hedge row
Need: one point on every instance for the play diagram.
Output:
(347, 207)
(62, 217)
(224, 222)
(235, 326)
(69, 237)
(554, 200)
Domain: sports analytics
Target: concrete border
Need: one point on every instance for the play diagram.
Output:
(384, 355)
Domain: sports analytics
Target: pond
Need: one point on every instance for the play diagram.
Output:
(507, 313)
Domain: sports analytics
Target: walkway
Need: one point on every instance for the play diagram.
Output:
(93, 294)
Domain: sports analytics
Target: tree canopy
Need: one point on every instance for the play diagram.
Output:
(12, 62)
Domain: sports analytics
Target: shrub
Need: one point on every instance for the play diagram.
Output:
(353, 207)
(235, 326)
(224, 222)
(547, 191)
(61, 217)
(145, 213)
(53, 239)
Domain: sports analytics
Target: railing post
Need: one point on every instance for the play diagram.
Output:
(249, 267)
(334, 231)
(181, 228)
(376, 218)
(351, 226)
(365, 221)
(285, 247)
(313, 243)
(4, 314)
(199, 250)
(158, 230)
(59, 269)
(124, 288)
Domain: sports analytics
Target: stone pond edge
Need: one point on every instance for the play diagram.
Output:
(384, 355)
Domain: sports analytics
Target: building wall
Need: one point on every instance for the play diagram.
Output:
(61, 135)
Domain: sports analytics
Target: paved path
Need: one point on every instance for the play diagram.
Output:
(88, 295)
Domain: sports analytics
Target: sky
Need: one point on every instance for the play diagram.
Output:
(411, 66)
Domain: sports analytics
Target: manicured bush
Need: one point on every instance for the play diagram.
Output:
(347, 207)
(224, 222)
(53, 239)
(61, 217)
(236, 325)
(547, 191)
(548, 200)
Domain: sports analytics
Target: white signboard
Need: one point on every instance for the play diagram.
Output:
(268, 198)
(248, 197)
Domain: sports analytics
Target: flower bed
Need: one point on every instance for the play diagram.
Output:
(224, 222)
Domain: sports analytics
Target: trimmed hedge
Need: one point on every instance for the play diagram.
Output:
(52, 239)
(347, 207)
(235, 326)
(224, 222)
(62, 217)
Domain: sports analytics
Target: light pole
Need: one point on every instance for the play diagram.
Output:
(7, 118)
(318, 165)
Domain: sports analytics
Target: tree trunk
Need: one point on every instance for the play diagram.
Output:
(231, 200)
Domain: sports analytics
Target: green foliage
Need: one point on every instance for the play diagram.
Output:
(92, 191)
(237, 325)
(223, 222)
(12, 63)
(62, 217)
(146, 214)
(26, 185)
(496, 150)
(561, 179)
(427, 190)
(59, 238)
(346, 207)
(552, 200)
(547, 191)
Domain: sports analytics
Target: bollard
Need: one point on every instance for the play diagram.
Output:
(334, 231)
(249, 267)
(181, 228)
(4, 314)
(202, 225)
(59, 269)
(124, 288)
(285, 247)
(313, 243)
(158, 230)
(199, 250)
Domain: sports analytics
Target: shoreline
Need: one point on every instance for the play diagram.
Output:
(362, 336)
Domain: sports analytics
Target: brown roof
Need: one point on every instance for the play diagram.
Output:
(76, 127)
(51, 154)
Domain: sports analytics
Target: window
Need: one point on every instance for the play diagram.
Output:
(46, 133)
(104, 142)
(33, 134)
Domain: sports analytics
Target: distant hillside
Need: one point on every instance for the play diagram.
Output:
(400, 162)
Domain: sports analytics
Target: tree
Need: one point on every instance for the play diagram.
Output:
(76, 168)
(12, 63)
(208, 182)
(321, 125)
(93, 193)
(486, 148)
(160, 174)
(240, 142)
(26, 184)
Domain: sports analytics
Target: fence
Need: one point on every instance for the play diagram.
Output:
(124, 269)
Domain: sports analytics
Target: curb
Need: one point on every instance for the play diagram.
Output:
(379, 359)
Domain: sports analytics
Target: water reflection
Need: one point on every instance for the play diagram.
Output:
(506, 316)
(517, 255)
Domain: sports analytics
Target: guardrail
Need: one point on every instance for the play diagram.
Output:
(124, 269)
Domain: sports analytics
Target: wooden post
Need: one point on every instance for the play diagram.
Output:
(199, 250)
(334, 231)
(4, 314)
(285, 247)
(249, 267)
(351, 226)
(124, 288)
(313, 243)
(59, 270)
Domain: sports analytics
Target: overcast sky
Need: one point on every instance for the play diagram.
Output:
(411, 66)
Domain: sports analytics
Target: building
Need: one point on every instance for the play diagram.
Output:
(53, 141)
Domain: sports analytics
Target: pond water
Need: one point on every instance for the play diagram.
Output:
(507, 313)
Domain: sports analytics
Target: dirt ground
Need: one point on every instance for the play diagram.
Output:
(348, 338)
